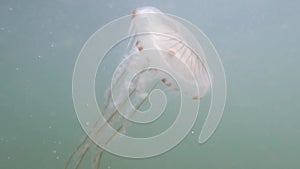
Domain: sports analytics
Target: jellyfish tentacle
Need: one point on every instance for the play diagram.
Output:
(84, 146)
(86, 138)
(114, 114)
(109, 96)
(132, 113)
(98, 157)
(110, 118)
(76, 151)
(81, 150)
(81, 157)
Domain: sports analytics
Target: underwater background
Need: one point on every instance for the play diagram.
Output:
(258, 43)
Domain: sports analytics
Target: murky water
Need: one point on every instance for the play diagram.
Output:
(257, 42)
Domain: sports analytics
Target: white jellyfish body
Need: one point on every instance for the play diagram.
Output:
(156, 40)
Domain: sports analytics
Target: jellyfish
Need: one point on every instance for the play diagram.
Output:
(155, 39)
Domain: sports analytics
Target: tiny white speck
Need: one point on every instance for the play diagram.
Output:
(54, 151)
(8, 157)
(17, 68)
(10, 9)
(39, 56)
(57, 157)
(59, 142)
(2, 28)
(87, 123)
(50, 127)
(52, 45)
(87, 105)
(108, 167)
(192, 132)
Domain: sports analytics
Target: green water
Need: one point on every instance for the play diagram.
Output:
(257, 42)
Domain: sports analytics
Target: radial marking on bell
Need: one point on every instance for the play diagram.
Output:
(172, 53)
(196, 97)
(169, 84)
(164, 80)
(133, 14)
(140, 48)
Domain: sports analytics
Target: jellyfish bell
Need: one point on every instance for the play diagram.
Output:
(173, 47)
